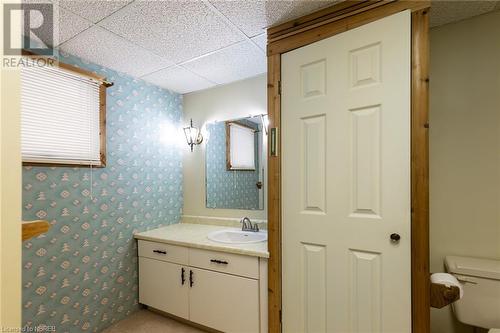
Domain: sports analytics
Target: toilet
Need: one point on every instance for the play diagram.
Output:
(480, 278)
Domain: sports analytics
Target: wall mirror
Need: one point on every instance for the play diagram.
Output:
(235, 163)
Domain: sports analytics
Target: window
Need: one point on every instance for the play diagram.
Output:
(62, 116)
(240, 147)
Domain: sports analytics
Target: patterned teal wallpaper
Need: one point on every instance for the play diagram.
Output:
(229, 189)
(82, 275)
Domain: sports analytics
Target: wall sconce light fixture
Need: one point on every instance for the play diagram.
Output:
(193, 135)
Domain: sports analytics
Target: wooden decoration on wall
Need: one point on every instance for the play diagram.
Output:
(34, 228)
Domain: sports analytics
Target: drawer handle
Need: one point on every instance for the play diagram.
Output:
(217, 261)
(160, 252)
(183, 279)
(191, 282)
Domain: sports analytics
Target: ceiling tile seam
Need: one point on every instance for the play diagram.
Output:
(181, 67)
(158, 70)
(181, 63)
(116, 11)
(92, 24)
(96, 23)
(194, 73)
(241, 80)
(70, 39)
(58, 8)
(137, 45)
(216, 11)
(259, 35)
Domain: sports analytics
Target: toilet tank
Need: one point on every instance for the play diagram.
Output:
(480, 278)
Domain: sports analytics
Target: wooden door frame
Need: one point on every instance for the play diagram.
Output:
(320, 25)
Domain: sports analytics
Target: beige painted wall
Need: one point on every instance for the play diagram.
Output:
(10, 199)
(10, 194)
(464, 146)
(235, 100)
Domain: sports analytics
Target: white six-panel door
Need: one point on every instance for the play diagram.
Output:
(346, 181)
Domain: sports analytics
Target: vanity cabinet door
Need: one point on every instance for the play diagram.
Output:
(224, 302)
(161, 286)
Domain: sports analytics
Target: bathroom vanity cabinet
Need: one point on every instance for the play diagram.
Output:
(220, 290)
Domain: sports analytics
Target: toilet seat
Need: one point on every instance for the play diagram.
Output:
(494, 330)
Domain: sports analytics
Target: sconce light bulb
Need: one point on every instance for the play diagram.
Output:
(193, 135)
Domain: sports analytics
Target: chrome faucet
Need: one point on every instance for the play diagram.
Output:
(247, 225)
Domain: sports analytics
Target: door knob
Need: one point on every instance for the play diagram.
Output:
(395, 238)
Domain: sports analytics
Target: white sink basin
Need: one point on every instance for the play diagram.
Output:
(231, 236)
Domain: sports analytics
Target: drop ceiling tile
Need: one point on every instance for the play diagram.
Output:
(252, 17)
(444, 12)
(261, 41)
(70, 25)
(234, 63)
(107, 49)
(177, 30)
(94, 10)
(178, 79)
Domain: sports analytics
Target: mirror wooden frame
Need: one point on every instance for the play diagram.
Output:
(320, 25)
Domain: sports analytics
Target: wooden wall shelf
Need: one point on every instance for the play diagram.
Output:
(34, 228)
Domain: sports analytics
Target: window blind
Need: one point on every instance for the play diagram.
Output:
(242, 147)
(59, 117)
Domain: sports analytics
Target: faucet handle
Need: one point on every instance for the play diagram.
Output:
(255, 227)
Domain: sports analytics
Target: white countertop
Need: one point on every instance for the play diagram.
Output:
(195, 235)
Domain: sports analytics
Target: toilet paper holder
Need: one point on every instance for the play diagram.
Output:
(442, 295)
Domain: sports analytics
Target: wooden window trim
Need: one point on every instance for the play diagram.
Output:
(68, 67)
(103, 85)
(228, 145)
(320, 25)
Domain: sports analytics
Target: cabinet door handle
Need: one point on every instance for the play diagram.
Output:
(183, 278)
(191, 278)
(160, 251)
(217, 261)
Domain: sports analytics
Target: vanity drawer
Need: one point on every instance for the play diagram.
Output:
(164, 252)
(225, 262)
